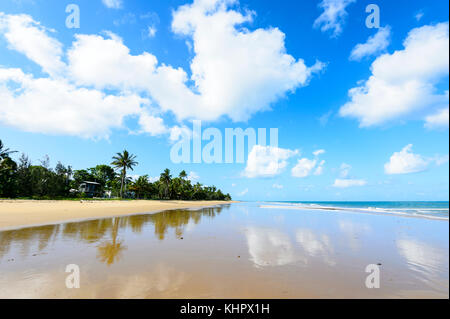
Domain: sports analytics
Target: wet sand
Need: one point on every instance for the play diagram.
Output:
(20, 213)
(238, 250)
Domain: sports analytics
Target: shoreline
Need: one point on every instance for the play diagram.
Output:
(354, 211)
(16, 214)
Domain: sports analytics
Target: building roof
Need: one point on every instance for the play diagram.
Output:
(87, 182)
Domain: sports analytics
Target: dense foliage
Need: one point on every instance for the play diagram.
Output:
(21, 179)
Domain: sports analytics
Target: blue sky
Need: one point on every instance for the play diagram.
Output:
(117, 82)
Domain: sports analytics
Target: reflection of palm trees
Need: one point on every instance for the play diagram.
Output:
(93, 231)
(110, 251)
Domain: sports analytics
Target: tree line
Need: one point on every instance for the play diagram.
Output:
(22, 179)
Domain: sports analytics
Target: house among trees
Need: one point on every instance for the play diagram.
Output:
(91, 189)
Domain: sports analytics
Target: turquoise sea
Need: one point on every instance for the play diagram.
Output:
(427, 209)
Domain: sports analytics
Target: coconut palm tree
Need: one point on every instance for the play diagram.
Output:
(4, 152)
(123, 161)
(165, 179)
(183, 174)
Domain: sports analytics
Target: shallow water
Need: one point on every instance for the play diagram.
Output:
(235, 251)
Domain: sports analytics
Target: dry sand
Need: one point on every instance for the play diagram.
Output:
(21, 213)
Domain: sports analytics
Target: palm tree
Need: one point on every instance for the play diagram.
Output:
(165, 179)
(183, 174)
(123, 161)
(4, 152)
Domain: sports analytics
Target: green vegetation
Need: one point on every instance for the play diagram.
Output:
(24, 180)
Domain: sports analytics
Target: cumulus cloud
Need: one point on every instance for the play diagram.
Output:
(30, 38)
(306, 167)
(113, 4)
(303, 168)
(55, 104)
(235, 72)
(267, 161)
(344, 183)
(152, 125)
(405, 162)
(374, 44)
(438, 120)
(404, 82)
(333, 16)
(45, 105)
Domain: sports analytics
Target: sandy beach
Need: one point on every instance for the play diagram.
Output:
(24, 213)
(238, 250)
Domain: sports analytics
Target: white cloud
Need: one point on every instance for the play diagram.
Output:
(344, 183)
(438, 120)
(105, 62)
(403, 82)
(267, 161)
(113, 4)
(193, 176)
(152, 125)
(319, 152)
(151, 31)
(45, 105)
(374, 44)
(303, 168)
(405, 162)
(333, 16)
(28, 37)
(54, 104)
(153, 179)
(277, 186)
(179, 132)
(235, 72)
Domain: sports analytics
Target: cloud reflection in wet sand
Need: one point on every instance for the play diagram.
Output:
(353, 231)
(269, 247)
(315, 245)
(428, 262)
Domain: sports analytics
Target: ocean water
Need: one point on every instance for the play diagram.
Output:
(428, 209)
